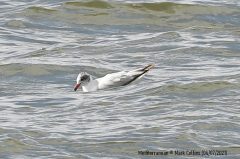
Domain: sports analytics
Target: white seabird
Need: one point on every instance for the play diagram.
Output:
(110, 80)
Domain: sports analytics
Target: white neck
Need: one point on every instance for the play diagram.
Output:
(92, 85)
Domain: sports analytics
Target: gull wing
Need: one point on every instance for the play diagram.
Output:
(122, 78)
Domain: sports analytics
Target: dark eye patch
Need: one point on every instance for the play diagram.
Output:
(84, 77)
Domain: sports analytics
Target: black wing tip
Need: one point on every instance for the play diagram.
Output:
(148, 67)
(145, 70)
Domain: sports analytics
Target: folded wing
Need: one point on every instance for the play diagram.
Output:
(123, 78)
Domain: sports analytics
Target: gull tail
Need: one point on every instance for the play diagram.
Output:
(147, 68)
(139, 73)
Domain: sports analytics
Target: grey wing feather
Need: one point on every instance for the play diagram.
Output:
(123, 78)
(115, 79)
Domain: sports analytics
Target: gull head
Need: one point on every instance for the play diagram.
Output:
(82, 79)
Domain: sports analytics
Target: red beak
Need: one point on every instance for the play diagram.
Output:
(76, 87)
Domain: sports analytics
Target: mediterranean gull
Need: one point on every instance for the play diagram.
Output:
(110, 80)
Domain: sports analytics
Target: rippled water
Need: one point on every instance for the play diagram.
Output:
(188, 101)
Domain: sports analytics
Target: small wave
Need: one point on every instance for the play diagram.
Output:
(30, 69)
(16, 23)
(207, 86)
(193, 87)
(41, 9)
(90, 4)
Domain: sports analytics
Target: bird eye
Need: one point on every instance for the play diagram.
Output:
(84, 78)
